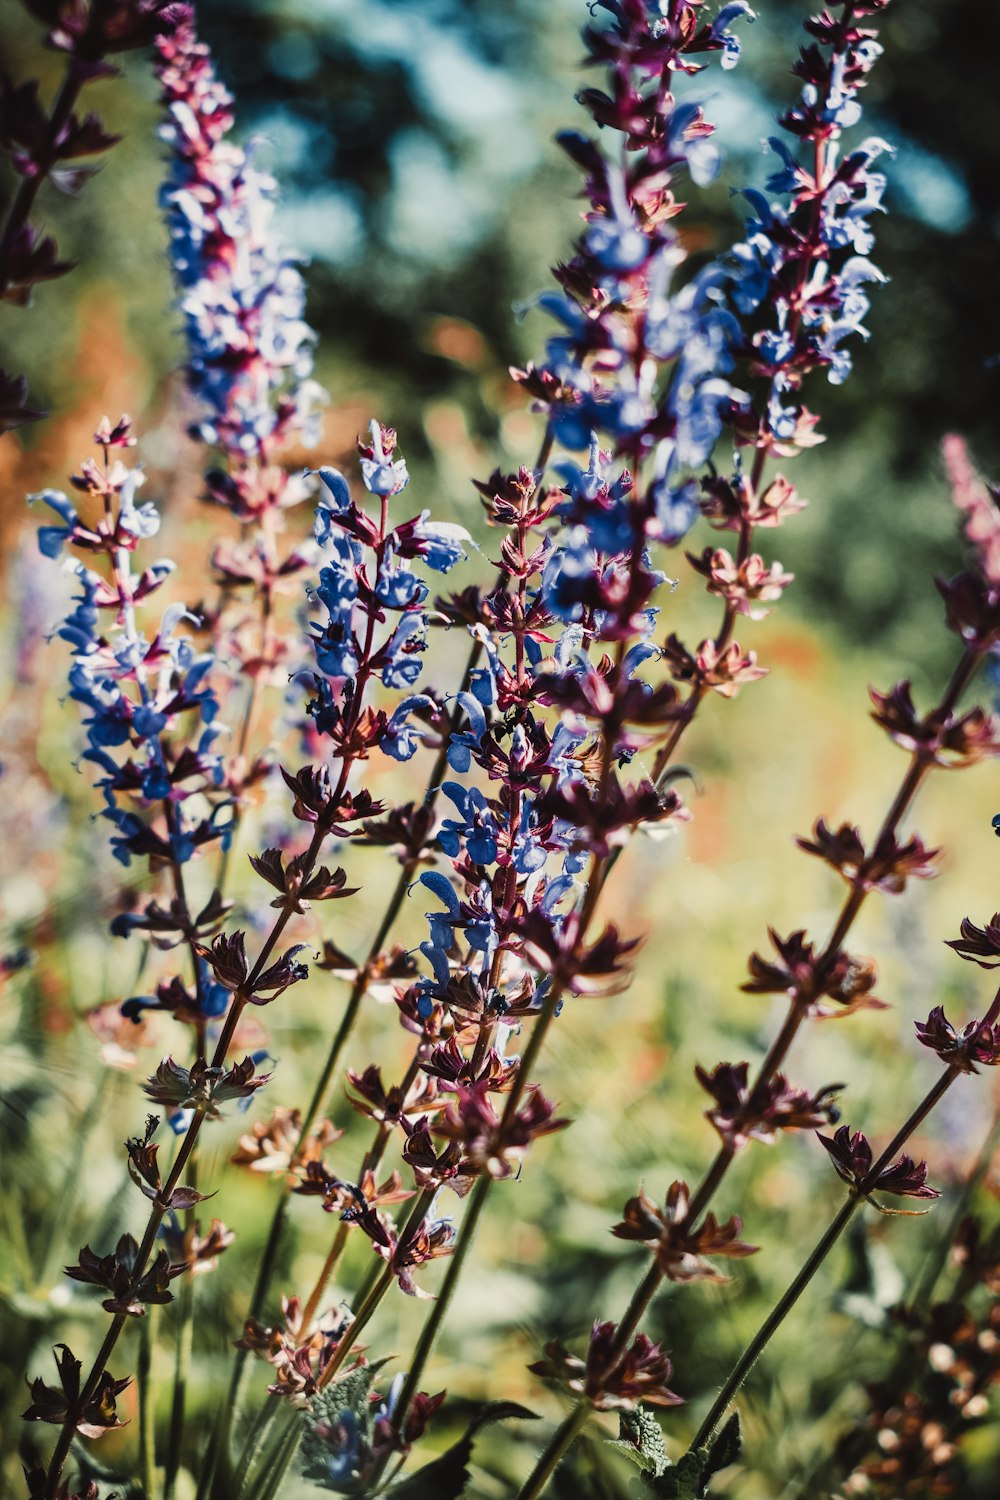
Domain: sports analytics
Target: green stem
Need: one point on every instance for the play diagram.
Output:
(555, 1451)
(278, 1461)
(329, 1266)
(147, 1407)
(182, 1362)
(439, 1311)
(219, 1444)
(256, 1438)
(819, 1253)
(773, 1322)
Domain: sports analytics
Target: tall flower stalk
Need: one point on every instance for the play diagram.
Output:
(685, 1236)
(49, 144)
(978, 1045)
(249, 368)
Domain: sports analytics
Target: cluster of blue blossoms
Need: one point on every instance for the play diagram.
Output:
(136, 689)
(242, 294)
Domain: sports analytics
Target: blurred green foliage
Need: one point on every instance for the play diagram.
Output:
(412, 143)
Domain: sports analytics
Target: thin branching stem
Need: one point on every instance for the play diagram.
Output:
(27, 191)
(910, 784)
(147, 1405)
(159, 1209)
(555, 1451)
(815, 1259)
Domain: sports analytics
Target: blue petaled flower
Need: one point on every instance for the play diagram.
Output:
(152, 695)
(242, 295)
(400, 657)
(381, 476)
(730, 42)
(475, 826)
(792, 259)
(463, 742)
(338, 590)
(401, 738)
(441, 544)
(52, 538)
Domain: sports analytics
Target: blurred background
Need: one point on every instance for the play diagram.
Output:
(413, 143)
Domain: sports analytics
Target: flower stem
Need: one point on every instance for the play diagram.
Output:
(30, 183)
(329, 1266)
(279, 1458)
(777, 1316)
(439, 1311)
(555, 1451)
(147, 1405)
(187, 1146)
(256, 1439)
(182, 1361)
(827, 1240)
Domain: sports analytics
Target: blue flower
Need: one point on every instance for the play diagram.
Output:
(699, 411)
(615, 240)
(336, 502)
(464, 742)
(51, 538)
(702, 155)
(396, 587)
(442, 924)
(475, 827)
(338, 590)
(529, 853)
(141, 521)
(400, 656)
(381, 476)
(442, 543)
(675, 503)
(401, 739)
(730, 43)
(568, 575)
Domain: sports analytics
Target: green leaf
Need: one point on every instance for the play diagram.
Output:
(640, 1439)
(446, 1477)
(345, 1398)
(683, 1480)
(725, 1450)
(689, 1479)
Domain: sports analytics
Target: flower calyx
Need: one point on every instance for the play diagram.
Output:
(683, 1250)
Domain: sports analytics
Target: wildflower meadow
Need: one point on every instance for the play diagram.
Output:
(497, 908)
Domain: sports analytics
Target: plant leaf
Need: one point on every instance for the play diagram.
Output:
(640, 1439)
(724, 1451)
(344, 1405)
(446, 1477)
(681, 1481)
(689, 1478)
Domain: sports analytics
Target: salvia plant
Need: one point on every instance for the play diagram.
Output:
(314, 651)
